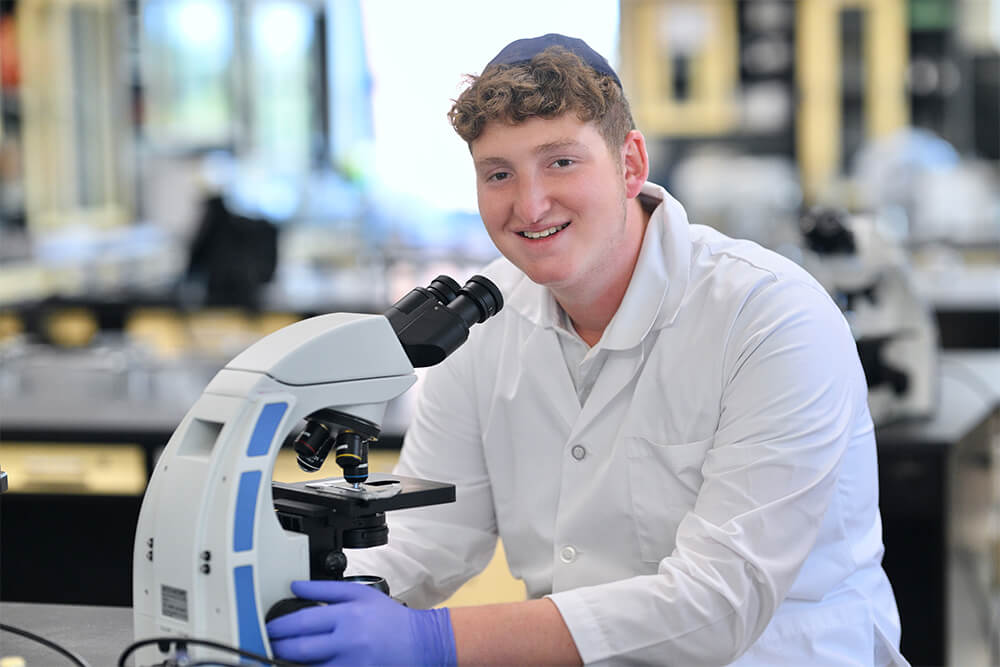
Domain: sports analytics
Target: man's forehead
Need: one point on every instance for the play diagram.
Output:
(535, 134)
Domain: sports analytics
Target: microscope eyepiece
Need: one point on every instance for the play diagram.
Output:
(431, 322)
(444, 288)
(477, 301)
(826, 231)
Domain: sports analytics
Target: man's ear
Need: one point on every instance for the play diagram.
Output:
(635, 161)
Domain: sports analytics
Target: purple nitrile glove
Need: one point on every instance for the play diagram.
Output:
(360, 626)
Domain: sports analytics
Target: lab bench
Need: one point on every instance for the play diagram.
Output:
(966, 304)
(939, 483)
(96, 634)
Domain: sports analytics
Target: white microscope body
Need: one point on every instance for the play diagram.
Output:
(210, 556)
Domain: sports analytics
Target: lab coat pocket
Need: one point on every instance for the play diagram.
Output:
(664, 480)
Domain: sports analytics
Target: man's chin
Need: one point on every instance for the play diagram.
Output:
(551, 279)
(552, 274)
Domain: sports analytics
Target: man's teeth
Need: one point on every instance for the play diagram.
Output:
(545, 232)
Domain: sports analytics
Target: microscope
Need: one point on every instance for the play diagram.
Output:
(218, 543)
(867, 274)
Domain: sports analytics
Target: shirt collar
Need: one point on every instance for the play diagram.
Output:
(654, 293)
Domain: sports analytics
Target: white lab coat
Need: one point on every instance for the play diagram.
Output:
(714, 500)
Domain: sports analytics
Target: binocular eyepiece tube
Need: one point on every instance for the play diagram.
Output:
(475, 302)
(431, 322)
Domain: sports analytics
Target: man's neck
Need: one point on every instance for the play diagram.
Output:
(589, 322)
(591, 311)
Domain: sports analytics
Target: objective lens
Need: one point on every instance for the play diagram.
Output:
(477, 301)
(312, 446)
(352, 456)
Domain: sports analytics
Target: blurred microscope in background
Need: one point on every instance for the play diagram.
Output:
(867, 272)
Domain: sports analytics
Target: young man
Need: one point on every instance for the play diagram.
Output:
(668, 428)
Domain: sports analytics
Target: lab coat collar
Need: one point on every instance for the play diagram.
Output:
(653, 296)
(660, 278)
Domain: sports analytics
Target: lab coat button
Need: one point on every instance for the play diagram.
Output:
(579, 452)
(567, 555)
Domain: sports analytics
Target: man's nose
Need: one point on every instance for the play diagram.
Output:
(533, 200)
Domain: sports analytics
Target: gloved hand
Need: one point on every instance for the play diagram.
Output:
(360, 626)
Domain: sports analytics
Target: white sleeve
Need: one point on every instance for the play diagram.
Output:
(433, 550)
(792, 393)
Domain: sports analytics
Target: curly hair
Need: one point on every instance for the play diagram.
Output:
(552, 83)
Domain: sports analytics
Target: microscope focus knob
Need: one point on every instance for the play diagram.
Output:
(287, 606)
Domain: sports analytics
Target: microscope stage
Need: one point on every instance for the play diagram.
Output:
(334, 494)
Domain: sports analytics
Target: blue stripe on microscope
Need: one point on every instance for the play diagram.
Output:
(267, 424)
(246, 509)
(247, 619)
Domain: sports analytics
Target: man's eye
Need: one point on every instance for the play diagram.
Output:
(498, 176)
(563, 162)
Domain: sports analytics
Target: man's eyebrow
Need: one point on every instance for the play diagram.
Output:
(541, 149)
(559, 145)
(489, 162)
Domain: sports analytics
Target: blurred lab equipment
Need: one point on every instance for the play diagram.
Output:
(867, 273)
(212, 558)
(887, 170)
(232, 256)
(744, 196)
(935, 194)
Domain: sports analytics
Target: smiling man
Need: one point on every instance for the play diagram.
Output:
(667, 427)
(554, 202)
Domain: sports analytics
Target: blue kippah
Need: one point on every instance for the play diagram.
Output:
(523, 50)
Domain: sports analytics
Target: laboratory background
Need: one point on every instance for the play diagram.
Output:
(179, 178)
